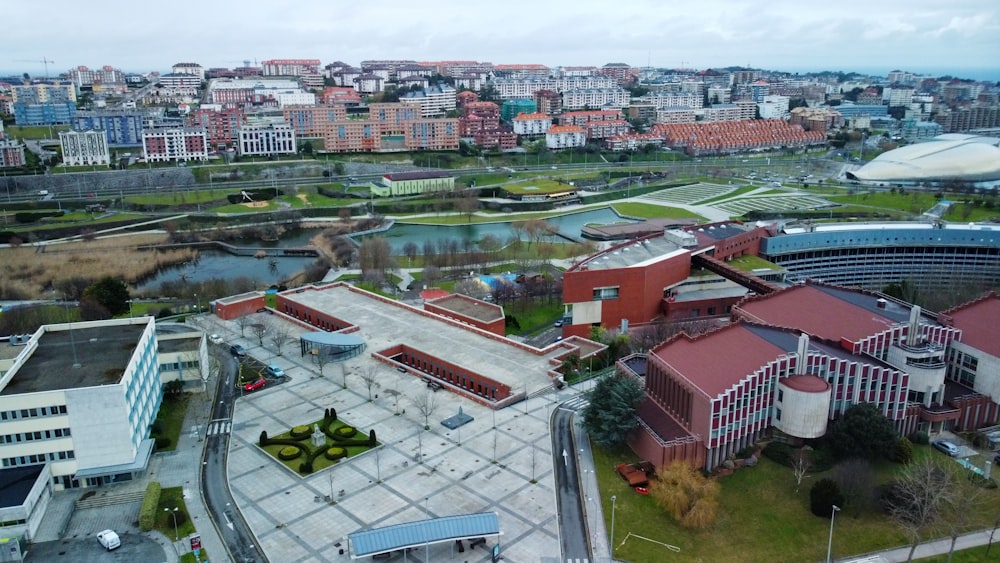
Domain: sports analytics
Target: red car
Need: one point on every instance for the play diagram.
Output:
(255, 385)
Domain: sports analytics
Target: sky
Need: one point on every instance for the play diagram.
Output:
(873, 36)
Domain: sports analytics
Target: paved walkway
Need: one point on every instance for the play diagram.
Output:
(926, 549)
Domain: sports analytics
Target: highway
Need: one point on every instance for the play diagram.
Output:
(219, 501)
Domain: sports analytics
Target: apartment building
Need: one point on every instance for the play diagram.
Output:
(565, 137)
(43, 92)
(606, 129)
(632, 141)
(597, 98)
(584, 117)
(11, 154)
(719, 94)
(521, 70)
(739, 111)
(899, 96)
(431, 134)
(240, 91)
(345, 77)
(307, 70)
(459, 68)
(497, 138)
(220, 125)
(47, 113)
(80, 399)
(369, 83)
(433, 101)
(105, 76)
(174, 144)
(675, 114)
(336, 95)
(180, 81)
(816, 119)
(392, 117)
(123, 127)
(313, 121)
(471, 81)
(84, 148)
(511, 88)
(532, 123)
(773, 107)
(194, 69)
(621, 72)
(478, 117)
(353, 135)
(973, 116)
(736, 136)
(265, 139)
(662, 99)
(548, 102)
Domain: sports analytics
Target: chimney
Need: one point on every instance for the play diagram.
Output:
(802, 351)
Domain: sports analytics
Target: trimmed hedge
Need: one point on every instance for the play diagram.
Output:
(345, 431)
(300, 432)
(150, 502)
(33, 216)
(335, 453)
(288, 453)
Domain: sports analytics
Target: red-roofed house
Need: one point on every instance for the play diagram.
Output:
(565, 137)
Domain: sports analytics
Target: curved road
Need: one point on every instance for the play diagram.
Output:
(573, 534)
(233, 530)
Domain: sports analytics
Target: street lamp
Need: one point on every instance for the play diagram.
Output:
(174, 514)
(613, 499)
(829, 545)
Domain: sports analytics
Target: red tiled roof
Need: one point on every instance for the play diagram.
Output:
(715, 361)
(978, 321)
(433, 293)
(817, 313)
(565, 129)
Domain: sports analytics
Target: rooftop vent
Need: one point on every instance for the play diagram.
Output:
(881, 303)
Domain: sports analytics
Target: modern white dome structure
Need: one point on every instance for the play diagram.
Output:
(970, 158)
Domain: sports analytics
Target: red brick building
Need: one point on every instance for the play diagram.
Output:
(220, 126)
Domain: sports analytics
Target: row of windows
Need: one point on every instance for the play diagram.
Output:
(605, 293)
(37, 458)
(32, 436)
(178, 366)
(32, 413)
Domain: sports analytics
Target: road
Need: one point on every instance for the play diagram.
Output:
(219, 501)
(573, 533)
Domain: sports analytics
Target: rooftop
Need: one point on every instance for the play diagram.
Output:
(102, 353)
(978, 323)
(469, 307)
(16, 483)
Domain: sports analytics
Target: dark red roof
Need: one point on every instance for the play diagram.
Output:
(816, 312)
(978, 321)
(806, 383)
(718, 360)
(433, 293)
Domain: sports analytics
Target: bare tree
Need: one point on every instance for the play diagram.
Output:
(472, 287)
(961, 508)
(425, 405)
(280, 335)
(343, 373)
(258, 329)
(375, 254)
(410, 251)
(801, 464)
(467, 205)
(395, 399)
(321, 359)
(432, 275)
(370, 375)
(916, 498)
(243, 322)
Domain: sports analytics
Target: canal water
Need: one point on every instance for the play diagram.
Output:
(222, 265)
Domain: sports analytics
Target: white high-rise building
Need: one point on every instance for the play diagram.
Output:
(263, 139)
(84, 148)
(773, 107)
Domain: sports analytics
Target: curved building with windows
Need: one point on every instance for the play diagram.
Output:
(951, 157)
(873, 255)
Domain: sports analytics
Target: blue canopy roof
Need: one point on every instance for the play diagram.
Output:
(332, 338)
(412, 534)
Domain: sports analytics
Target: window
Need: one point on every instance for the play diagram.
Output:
(605, 293)
(781, 395)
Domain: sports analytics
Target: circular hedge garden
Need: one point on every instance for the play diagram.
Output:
(300, 432)
(289, 452)
(334, 453)
(345, 431)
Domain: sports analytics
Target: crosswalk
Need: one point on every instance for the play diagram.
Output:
(576, 403)
(222, 426)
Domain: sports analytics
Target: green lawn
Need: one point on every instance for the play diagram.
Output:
(650, 211)
(537, 186)
(918, 202)
(171, 498)
(321, 462)
(170, 419)
(748, 263)
(533, 317)
(35, 132)
(761, 519)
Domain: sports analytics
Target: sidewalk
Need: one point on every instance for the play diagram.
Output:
(924, 550)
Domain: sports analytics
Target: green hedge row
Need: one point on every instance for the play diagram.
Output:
(150, 502)
(33, 216)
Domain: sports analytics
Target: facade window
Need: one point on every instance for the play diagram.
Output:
(605, 293)
(777, 414)
(781, 395)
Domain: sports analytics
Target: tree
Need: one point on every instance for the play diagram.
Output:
(243, 322)
(410, 250)
(110, 293)
(467, 205)
(915, 499)
(611, 414)
(375, 254)
(823, 496)
(689, 496)
(321, 359)
(258, 329)
(863, 431)
(425, 405)
(801, 464)
(339, 169)
(960, 509)
(857, 482)
(370, 376)
(280, 335)
(395, 399)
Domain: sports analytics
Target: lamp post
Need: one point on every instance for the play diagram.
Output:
(829, 545)
(613, 499)
(173, 513)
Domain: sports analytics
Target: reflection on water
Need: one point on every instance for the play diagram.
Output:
(222, 265)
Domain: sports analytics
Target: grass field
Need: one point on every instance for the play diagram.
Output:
(537, 186)
(650, 211)
(171, 498)
(35, 132)
(915, 203)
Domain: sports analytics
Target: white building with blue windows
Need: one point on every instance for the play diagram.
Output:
(80, 398)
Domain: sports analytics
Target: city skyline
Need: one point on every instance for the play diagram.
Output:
(917, 36)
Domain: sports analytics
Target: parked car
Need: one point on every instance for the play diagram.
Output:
(275, 371)
(238, 351)
(109, 539)
(215, 339)
(558, 323)
(255, 384)
(947, 447)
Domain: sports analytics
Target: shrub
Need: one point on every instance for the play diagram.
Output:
(902, 451)
(305, 468)
(301, 432)
(150, 502)
(345, 431)
(779, 453)
(920, 437)
(371, 439)
(289, 452)
(823, 496)
(263, 438)
(162, 443)
(335, 453)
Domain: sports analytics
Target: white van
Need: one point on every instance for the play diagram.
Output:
(109, 539)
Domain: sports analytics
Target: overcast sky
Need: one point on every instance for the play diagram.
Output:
(796, 35)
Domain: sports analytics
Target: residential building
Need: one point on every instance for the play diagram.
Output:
(459, 68)
(342, 96)
(123, 127)
(180, 81)
(352, 135)
(471, 81)
(431, 134)
(495, 139)
(194, 69)
(521, 70)
(47, 113)
(512, 88)
(477, 117)
(899, 96)
(220, 125)
(345, 77)
(388, 66)
(106, 76)
(255, 91)
(548, 102)
(307, 70)
(80, 399)
(773, 107)
(532, 123)
(966, 118)
(621, 72)
(740, 110)
(758, 90)
(675, 114)
(736, 136)
(596, 98)
(849, 111)
(512, 108)
(633, 141)
(313, 121)
(179, 144)
(369, 83)
(719, 94)
(265, 139)
(393, 117)
(84, 148)
(585, 117)
(414, 183)
(42, 92)
(816, 119)
(565, 137)
(606, 129)
(11, 154)
(578, 71)
(664, 99)
(642, 112)
(434, 100)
